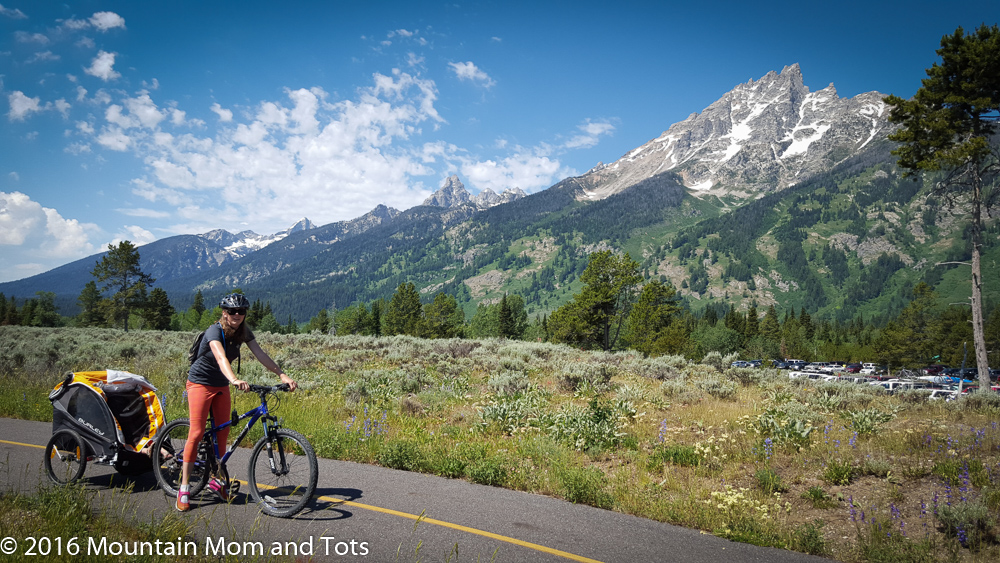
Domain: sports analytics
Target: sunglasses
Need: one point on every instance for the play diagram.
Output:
(236, 311)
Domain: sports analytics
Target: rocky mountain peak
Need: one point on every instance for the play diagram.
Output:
(763, 135)
(451, 194)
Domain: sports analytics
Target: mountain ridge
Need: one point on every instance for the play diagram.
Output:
(770, 195)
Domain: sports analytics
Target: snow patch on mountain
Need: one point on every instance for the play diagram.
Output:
(245, 242)
(763, 135)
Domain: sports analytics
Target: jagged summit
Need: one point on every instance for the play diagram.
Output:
(453, 194)
(761, 136)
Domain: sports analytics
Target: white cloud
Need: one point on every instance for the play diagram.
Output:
(225, 115)
(469, 71)
(14, 176)
(134, 234)
(102, 66)
(115, 139)
(21, 106)
(144, 212)
(25, 37)
(104, 21)
(145, 111)
(30, 231)
(590, 134)
(62, 106)
(44, 56)
(284, 159)
(529, 170)
(12, 13)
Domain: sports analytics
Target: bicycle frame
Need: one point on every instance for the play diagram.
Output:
(260, 412)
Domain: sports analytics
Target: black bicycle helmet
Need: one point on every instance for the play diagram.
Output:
(235, 301)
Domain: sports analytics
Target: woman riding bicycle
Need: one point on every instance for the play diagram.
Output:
(208, 383)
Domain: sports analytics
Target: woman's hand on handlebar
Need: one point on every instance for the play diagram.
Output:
(241, 385)
(292, 386)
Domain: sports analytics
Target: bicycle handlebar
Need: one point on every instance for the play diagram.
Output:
(269, 388)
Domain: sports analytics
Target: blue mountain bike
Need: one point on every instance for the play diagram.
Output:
(281, 473)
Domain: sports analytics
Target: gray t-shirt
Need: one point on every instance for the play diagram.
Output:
(205, 370)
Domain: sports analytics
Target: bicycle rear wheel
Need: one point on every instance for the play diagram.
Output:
(282, 473)
(168, 454)
(65, 457)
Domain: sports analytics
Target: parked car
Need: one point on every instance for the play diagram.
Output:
(935, 369)
(853, 368)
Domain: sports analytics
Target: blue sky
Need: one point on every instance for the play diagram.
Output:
(142, 120)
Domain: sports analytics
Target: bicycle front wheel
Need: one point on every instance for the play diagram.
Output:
(168, 458)
(282, 473)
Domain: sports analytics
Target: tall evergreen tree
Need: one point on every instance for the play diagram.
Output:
(752, 324)
(90, 306)
(505, 319)
(770, 328)
(199, 303)
(948, 126)
(651, 327)
(158, 310)
(442, 318)
(403, 314)
(119, 271)
(594, 317)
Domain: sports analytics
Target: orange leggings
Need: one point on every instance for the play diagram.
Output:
(201, 400)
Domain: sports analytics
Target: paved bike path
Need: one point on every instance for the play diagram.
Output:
(372, 511)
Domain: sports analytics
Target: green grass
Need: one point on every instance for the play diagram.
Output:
(604, 429)
(66, 528)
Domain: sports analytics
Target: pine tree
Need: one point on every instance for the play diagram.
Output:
(403, 314)
(595, 316)
(158, 310)
(805, 321)
(119, 271)
(651, 327)
(948, 126)
(199, 303)
(770, 328)
(90, 306)
(752, 324)
(505, 319)
(442, 318)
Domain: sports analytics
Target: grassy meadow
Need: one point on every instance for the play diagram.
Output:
(834, 469)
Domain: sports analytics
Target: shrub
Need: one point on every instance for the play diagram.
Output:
(808, 538)
(676, 454)
(586, 485)
(968, 521)
(980, 401)
(508, 382)
(838, 472)
(875, 466)
(718, 387)
(769, 481)
(401, 455)
(867, 421)
(594, 427)
(680, 390)
(818, 497)
(586, 377)
(488, 471)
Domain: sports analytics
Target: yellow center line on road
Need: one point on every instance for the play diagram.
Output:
(466, 529)
(21, 444)
(422, 518)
